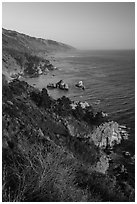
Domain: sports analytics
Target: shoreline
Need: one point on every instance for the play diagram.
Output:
(80, 126)
(60, 146)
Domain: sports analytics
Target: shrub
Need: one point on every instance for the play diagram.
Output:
(39, 175)
(63, 107)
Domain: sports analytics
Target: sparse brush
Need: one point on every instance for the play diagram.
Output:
(45, 177)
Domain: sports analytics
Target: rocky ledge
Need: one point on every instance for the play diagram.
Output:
(59, 150)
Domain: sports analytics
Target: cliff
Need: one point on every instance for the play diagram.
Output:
(56, 150)
(26, 43)
(23, 54)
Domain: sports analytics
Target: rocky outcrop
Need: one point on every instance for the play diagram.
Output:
(107, 135)
(60, 85)
(36, 66)
(80, 85)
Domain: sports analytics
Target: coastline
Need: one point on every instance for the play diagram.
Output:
(88, 136)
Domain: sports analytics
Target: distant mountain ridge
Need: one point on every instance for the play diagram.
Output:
(23, 42)
(21, 52)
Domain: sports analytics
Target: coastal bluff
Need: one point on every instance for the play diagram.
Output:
(55, 151)
(26, 56)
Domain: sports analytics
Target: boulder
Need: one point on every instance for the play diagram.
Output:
(106, 135)
(51, 86)
(126, 154)
(61, 85)
(50, 67)
(80, 85)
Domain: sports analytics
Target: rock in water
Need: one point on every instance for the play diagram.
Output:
(61, 85)
(80, 85)
(51, 86)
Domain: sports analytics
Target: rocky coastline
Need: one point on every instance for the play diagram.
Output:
(55, 150)
(28, 65)
(59, 150)
(26, 56)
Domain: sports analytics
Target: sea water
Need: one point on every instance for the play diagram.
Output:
(109, 78)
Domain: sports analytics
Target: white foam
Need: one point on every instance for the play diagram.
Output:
(123, 132)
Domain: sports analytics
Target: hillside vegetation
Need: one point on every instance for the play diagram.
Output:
(22, 52)
(51, 152)
(26, 43)
(55, 150)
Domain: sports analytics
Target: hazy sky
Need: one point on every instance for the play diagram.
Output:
(82, 25)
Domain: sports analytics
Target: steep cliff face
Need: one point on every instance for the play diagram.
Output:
(52, 152)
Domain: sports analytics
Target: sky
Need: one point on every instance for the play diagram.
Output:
(84, 25)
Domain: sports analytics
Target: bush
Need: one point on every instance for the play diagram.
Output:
(39, 175)
(36, 97)
(102, 185)
(63, 107)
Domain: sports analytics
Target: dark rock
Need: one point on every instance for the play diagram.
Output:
(51, 86)
(61, 85)
(100, 117)
(126, 154)
(50, 67)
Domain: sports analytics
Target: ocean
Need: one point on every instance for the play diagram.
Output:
(109, 78)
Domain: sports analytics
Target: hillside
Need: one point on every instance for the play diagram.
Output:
(56, 150)
(26, 43)
(59, 151)
(20, 52)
